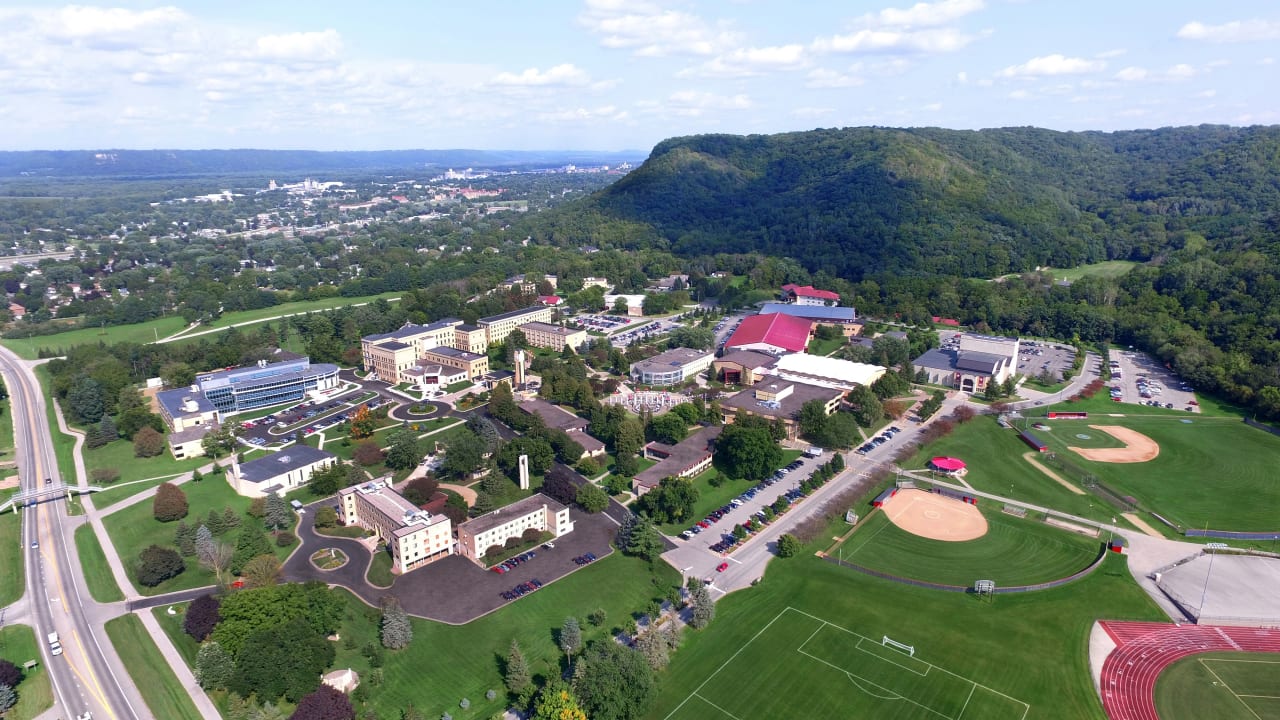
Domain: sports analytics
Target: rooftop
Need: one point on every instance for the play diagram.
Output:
(843, 372)
(553, 415)
(671, 358)
(512, 314)
(826, 313)
(409, 330)
(788, 407)
(685, 454)
(750, 359)
(503, 515)
(979, 361)
(277, 464)
(173, 400)
(810, 291)
(549, 328)
(453, 353)
(195, 432)
(937, 359)
(784, 331)
(394, 507)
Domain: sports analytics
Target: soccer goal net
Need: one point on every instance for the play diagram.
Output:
(887, 641)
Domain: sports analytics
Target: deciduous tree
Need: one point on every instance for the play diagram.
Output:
(201, 617)
(147, 442)
(213, 666)
(613, 682)
(169, 503)
(324, 703)
(157, 564)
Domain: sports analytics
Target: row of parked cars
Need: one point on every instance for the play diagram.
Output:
(522, 589)
(729, 540)
(879, 440)
(510, 563)
(584, 559)
(719, 513)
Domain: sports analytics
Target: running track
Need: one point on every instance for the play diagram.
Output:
(1144, 649)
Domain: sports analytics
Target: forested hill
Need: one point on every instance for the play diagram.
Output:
(867, 201)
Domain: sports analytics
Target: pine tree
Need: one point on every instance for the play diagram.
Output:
(517, 677)
(570, 636)
(214, 522)
(704, 610)
(250, 544)
(214, 666)
(278, 516)
(204, 543)
(655, 648)
(397, 631)
(230, 519)
(8, 697)
(185, 538)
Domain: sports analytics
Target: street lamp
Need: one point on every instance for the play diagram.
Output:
(1209, 572)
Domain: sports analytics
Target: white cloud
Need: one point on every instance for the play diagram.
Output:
(932, 107)
(1111, 53)
(1132, 74)
(581, 114)
(870, 40)
(1267, 61)
(1019, 94)
(1238, 31)
(94, 24)
(927, 14)
(1055, 64)
(1181, 71)
(651, 30)
(564, 74)
(962, 77)
(1207, 93)
(696, 102)
(752, 61)
(812, 112)
(824, 78)
(321, 45)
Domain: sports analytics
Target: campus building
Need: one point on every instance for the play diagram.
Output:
(474, 364)
(265, 384)
(779, 399)
(808, 295)
(414, 537)
(389, 354)
(472, 338)
(843, 318)
(971, 364)
(536, 512)
(827, 372)
(686, 458)
(671, 367)
(554, 416)
(500, 326)
(743, 367)
(279, 472)
(775, 334)
(432, 376)
(554, 337)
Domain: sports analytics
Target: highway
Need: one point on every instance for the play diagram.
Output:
(83, 680)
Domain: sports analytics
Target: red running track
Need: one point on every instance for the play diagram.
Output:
(1144, 649)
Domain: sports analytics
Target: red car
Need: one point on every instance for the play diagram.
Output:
(722, 567)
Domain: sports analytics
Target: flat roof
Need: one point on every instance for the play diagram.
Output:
(453, 353)
(937, 359)
(394, 345)
(553, 415)
(676, 357)
(787, 407)
(549, 328)
(503, 515)
(512, 314)
(812, 312)
(687, 452)
(172, 400)
(979, 361)
(750, 359)
(389, 503)
(195, 432)
(277, 464)
(819, 367)
(409, 330)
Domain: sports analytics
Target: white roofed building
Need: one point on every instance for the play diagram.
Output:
(827, 372)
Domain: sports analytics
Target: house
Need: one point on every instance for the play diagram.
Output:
(808, 295)
(779, 399)
(743, 367)
(686, 458)
(414, 537)
(590, 282)
(672, 282)
(476, 537)
(774, 333)
(551, 300)
(278, 472)
(671, 367)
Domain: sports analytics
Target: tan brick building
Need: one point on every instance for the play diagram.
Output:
(543, 335)
(475, 364)
(413, 536)
(500, 326)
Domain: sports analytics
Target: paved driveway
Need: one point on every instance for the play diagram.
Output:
(453, 590)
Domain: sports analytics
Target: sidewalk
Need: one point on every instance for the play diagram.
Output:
(175, 661)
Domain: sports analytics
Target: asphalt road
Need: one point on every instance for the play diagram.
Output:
(83, 680)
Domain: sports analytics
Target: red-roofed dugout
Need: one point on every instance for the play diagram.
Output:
(947, 464)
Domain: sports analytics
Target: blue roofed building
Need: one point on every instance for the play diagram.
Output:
(265, 384)
(845, 318)
(280, 472)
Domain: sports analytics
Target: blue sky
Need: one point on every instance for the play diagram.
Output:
(616, 74)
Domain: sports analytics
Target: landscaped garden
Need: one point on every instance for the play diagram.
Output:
(329, 558)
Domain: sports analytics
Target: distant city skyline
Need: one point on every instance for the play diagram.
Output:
(615, 74)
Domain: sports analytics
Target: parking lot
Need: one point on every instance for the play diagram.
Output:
(603, 323)
(1038, 357)
(884, 437)
(1143, 380)
(644, 332)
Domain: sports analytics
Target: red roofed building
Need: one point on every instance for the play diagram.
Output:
(808, 295)
(550, 300)
(773, 333)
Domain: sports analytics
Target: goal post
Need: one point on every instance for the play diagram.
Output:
(887, 641)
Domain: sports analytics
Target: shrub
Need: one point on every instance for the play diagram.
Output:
(258, 507)
(419, 491)
(531, 535)
(284, 538)
(493, 551)
(367, 453)
(170, 503)
(104, 476)
(157, 564)
(513, 542)
(147, 443)
(10, 674)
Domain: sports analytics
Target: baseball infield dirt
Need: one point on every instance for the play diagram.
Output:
(1138, 447)
(934, 516)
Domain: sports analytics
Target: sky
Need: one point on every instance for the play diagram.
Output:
(616, 74)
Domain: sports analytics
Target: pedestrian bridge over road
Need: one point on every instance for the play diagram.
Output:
(49, 492)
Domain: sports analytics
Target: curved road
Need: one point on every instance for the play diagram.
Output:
(83, 678)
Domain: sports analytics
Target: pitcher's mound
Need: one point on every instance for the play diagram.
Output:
(934, 516)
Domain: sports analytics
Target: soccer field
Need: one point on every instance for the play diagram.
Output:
(835, 672)
(1013, 552)
(1222, 686)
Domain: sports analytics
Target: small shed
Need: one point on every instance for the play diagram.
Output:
(344, 681)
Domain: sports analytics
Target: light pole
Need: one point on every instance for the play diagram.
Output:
(1215, 547)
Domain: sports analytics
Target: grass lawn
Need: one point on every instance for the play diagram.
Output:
(164, 695)
(1191, 482)
(134, 528)
(1105, 269)
(1222, 686)
(1103, 404)
(11, 566)
(29, 348)
(6, 432)
(379, 572)
(805, 643)
(447, 663)
(826, 347)
(1013, 552)
(35, 694)
(97, 574)
(63, 445)
(460, 385)
(118, 455)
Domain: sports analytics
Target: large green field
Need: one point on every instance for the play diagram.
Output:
(118, 456)
(447, 663)
(97, 573)
(35, 693)
(134, 528)
(1217, 472)
(1222, 686)
(806, 643)
(164, 695)
(1013, 552)
(1105, 269)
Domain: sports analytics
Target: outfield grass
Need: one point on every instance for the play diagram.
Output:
(1222, 686)
(134, 528)
(1105, 269)
(29, 348)
(1103, 404)
(164, 695)
(1031, 647)
(1013, 552)
(446, 663)
(1217, 472)
(35, 694)
(97, 574)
